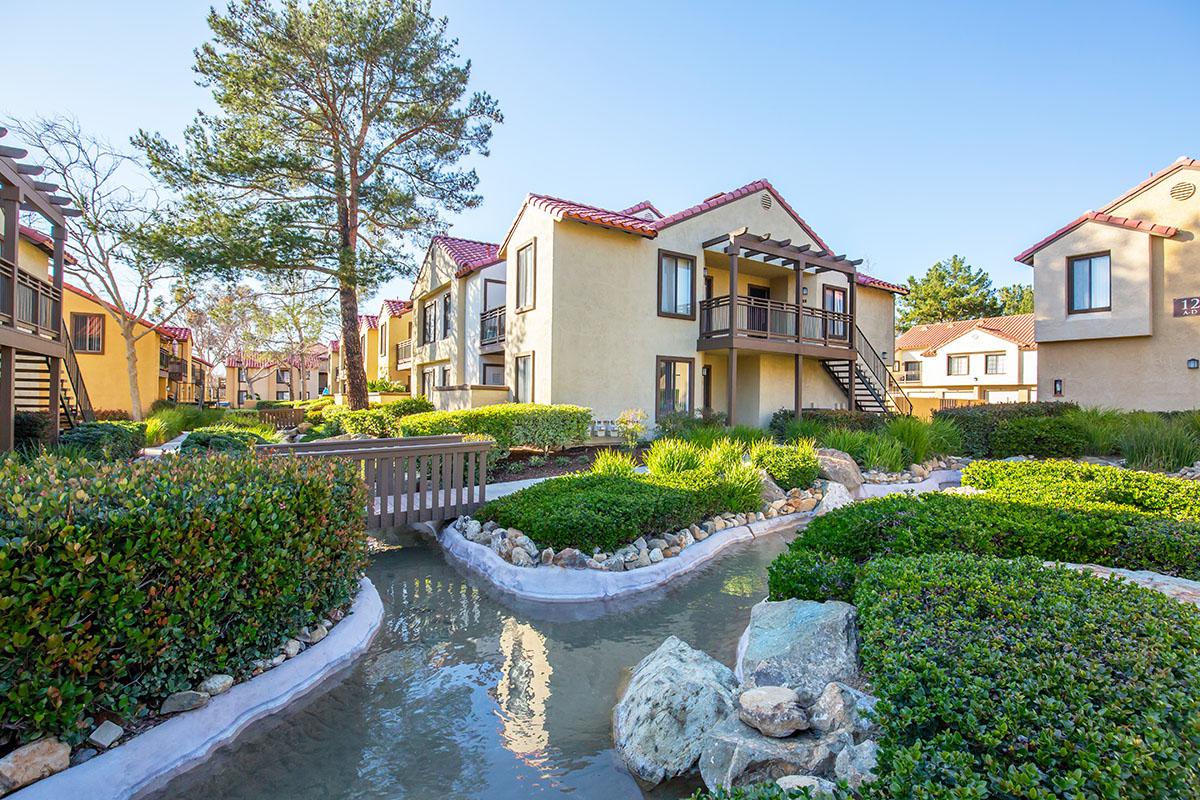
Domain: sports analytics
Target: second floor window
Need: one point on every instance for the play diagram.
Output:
(912, 371)
(282, 376)
(525, 277)
(87, 333)
(957, 365)
(994, 364)
(1089, 284)
(676, 285)
(446, 315)
(429, 323)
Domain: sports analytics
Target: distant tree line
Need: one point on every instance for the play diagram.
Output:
(952, 290)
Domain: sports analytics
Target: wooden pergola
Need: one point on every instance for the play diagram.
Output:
(764, 248)
(39, 331)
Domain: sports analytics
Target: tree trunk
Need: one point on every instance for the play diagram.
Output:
(131, 367)
(356, 371)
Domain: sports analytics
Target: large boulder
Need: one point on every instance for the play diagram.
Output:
(836, 495)
(840, 468)
(769, 492)
(856, 763)
(674, 697)
(801, 644)
(734, 754)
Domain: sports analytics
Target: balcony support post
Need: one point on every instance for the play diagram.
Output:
(10, 204)
(731, 389)
(798, 366)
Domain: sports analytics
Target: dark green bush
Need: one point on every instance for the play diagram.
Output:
(543, 427)
(1019, 681)
(607, 511)
(31, 429)
(1043, 437)
(110, 440)
(790, 466)
(977, 422)
(162, 405)
(122, 582)
(829, 417)
(1071, 483)
(108, 414)
(222, 438)
(811, 575)
(937, 522)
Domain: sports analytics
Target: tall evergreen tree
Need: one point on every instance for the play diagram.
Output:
(1016, 299)
(340, 131)
(951, 290)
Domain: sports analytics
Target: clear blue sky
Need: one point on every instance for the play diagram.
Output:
(903, 132)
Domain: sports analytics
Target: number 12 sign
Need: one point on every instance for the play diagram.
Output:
(1187, 306)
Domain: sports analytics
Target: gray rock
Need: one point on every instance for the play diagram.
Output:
(501, 545)
(490, 525)
(769, 492)
(521, 557)
(214, 685)
(817, 787)
(523, 542)
(614, 563)
(839, 468)
(686, 539)
(800, 644)
(772, 710)
(643, 559)
(656, 555)
(734, 754)
(640, 543)
(836, 496)
(277, 660)
(844, 709)
(470, 528)
(184, 701)
(856, 763)
(1016, 458)
(104, 736)
(312, 634)
(80, 756)
(291, 648)
(570, 558)
(548, 556)
(32, 762)
(672, 539)
(656, 544)
(675, 696)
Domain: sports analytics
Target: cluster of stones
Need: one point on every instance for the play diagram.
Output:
(43, 758)
(916, 472)
(293, 435)
(1191, 473)
(794, 716)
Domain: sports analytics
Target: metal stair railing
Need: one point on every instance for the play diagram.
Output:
(893, 392)
(75, 378)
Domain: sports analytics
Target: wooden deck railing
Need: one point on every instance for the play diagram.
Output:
(491, 326)
(410, 479)
(38, 302)
(282, 417)
(774, 320)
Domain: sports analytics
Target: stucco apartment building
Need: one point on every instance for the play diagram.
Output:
(968, 362)
(632, 309)
(386, 340)
(249, 378)
(1117, 299)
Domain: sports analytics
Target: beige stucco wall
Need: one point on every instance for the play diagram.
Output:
(1138, 358)
(533, 331)
(435, 279)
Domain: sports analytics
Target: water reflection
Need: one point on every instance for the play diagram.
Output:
(462, 696)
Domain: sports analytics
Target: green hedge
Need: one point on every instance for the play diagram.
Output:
(827, 417)
(937, 522)
(1072, 483)
(112, 440)
(977, 422)
(608, 511)
(544, 427)
(1043, 437)
(790, 466)
(123, 582)
(31, 429)
(381, 420)
(223, 438)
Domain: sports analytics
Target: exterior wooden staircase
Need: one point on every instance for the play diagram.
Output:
(868, 380)
(31, 387)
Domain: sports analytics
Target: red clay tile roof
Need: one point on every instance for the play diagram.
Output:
(863, 279)
(1016, 328)
(645, 205)
(262, 361)
(334, 345)
(44, 242)
(176, 333)
(203, 361)
(568, 209)
(165, 330)
(469, 254)
(396, 308)
(718, 200)
(1140, 225)
(368, 321)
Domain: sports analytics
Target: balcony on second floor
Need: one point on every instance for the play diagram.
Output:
(491, 330)
(756, 323)
(403, 354)
(38, 303)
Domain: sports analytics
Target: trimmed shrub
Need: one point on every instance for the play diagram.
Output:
(790, 466)
(811, 575)
(31, 429)
(163, 572)
(724, 454)
(1021, 681)
(977, 422)
(1043, 437)
(386, 386)
(613, 463)
(1072, 484)
(512, 425)
(113, 440)
(667, 456)
(109, 414)
(222, 438)
(371, 421)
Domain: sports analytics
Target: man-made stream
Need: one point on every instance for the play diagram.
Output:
(464, 695)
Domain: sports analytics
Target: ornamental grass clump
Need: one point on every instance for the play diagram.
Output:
(791, 466)
(667, 456)
(1159, 445)
(123, 582)
(613, 463)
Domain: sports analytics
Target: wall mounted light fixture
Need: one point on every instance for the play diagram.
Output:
(1194, 363)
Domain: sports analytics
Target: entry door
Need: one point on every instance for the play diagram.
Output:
(757, 316)
(834, 299)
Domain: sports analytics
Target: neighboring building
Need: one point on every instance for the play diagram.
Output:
(392, 358)
(1117, 299)
(166, 370)
(207, 382)
(249, 378)
(368, 341)
(37, 371)
(632, 309)
(459, 299)
(972, 361)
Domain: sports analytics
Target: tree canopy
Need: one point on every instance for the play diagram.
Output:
(1016, 299)
(341, 129)
(951, 290)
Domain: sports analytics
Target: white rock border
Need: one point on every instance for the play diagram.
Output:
(151, 759)
(930, 484)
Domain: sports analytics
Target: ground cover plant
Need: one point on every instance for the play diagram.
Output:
(121, 582)
(223, 438)
(543, 427)
(113, 440)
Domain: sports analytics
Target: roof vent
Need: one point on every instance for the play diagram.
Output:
(766, 201)
(1182, 191)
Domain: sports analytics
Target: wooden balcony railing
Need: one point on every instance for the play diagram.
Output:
(38, 302)
(491, 326)
(772, 320)
(403, 353)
